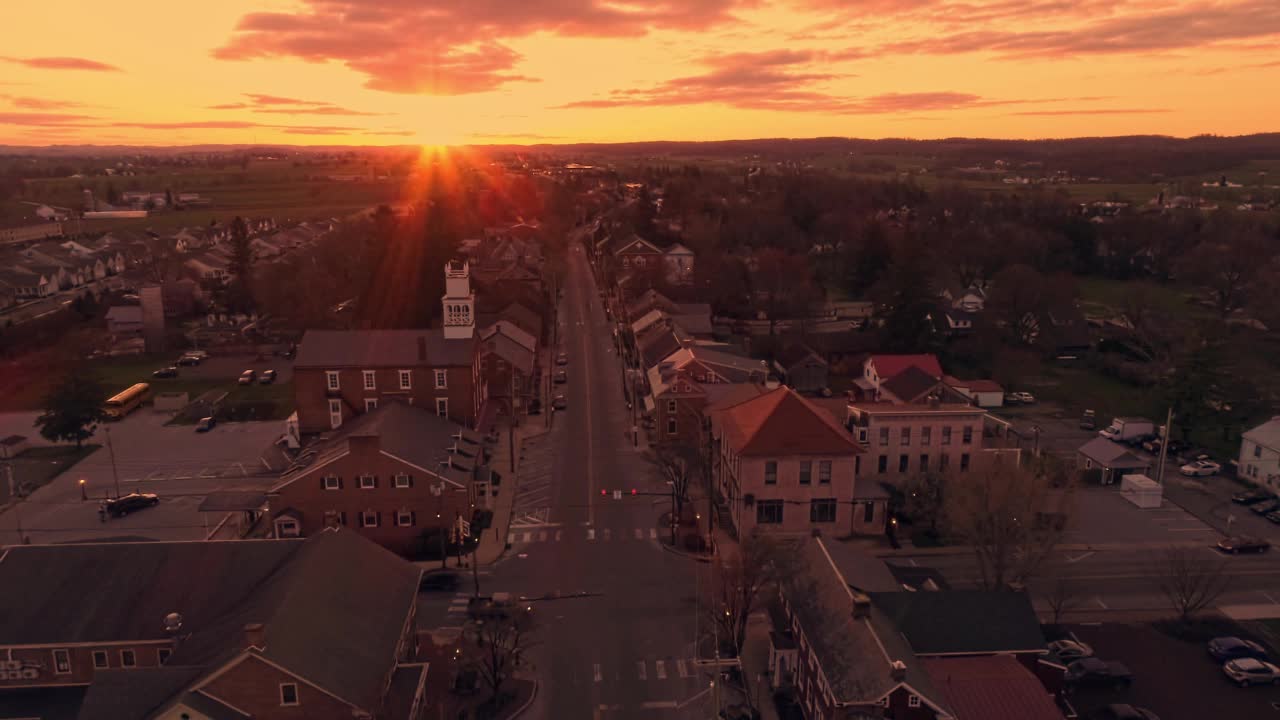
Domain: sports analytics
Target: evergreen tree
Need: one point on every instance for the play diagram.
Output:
(73, 409)
(240, 295)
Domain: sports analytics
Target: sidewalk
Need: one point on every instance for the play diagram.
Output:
(493, 542)
(755, 664)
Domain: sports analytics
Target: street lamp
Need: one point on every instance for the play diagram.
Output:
(83, 494)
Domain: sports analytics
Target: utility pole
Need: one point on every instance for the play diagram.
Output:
(1164, 446)
(112, 452)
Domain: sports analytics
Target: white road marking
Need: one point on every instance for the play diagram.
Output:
(591, 533)
(660, 669)
(644, 673)
(558, 534)
(1268, 597)
(528, 536)
(639, 534)
(598, 677)
(653, 533)
(1100, 603)
(1080, 557)
(542, 536)
(681, 668)
(511, 538)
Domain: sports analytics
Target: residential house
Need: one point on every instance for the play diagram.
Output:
(1259, 460)
(516, 313)
(650, 300)
(694, 319)
(679, 260)
(390, 475)
(1109, 460)
(970, 299)
(26, 284)
(208, 267)
(232, 629)
(339, 374)
(877, 369)
(787, 466)
(802, 368)
(634, 252)
(508, 363)
(27, 233)
(904, 440)
(914, 385)
(124, 320)
(983, 393)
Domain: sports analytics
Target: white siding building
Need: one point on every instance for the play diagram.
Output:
(1259, 460)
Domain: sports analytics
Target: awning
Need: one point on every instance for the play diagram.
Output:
(229, 500)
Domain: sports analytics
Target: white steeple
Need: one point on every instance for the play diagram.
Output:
(459, 302)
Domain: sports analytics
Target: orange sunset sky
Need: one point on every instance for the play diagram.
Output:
(524, 71)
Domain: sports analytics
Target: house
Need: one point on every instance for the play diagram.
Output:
(969, 300)
(876, 369)
(787, 466)
(650, 300)
(1259, 460)
(903, 440)
(232, 629)
(802, 368)
(390, 475)
(518, 314)
(983, 393)
(694, 319)
(339, 374)
(1110, 460)
(635, 252)
(508, 361)
(915, 385)
(208, 267)
(27, 233)
(679, 261)
(27, 284)
(124, 320)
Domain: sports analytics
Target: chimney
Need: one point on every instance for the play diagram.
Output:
(898, 670)
(255, 635)
(861, 605)
(173, 628)
(363, 444)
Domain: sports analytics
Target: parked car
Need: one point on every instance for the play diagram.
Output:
(562, 377)
(125, 504)
(1024, 398)
(562, 359)
(206, 424)
(189, 360)
(1266, 506)
(267, 377)
(439, 581)
(1123, 712)
(560, 403)
(1200, 468)
(1092, 672)
(1251, 671)
(201, 354)
(247, 377)
(1071, 649)
(1273, 516)
(1234, 545)
(1234, 648)
(166, 372)
(1089, 420)
(1252, 497)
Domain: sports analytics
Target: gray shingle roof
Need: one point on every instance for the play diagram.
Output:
(382, 348)
(134, 693)
(1111, 455)
(963, 621)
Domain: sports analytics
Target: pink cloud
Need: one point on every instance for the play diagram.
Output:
(290, 106)
(1097, 111)
(62, 63)
(35, 103)
(43, 119)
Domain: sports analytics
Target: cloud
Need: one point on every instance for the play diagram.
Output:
(34, 103)
(290, 106)
(506, 137)
(44, 119)
(447, 47)
(399, 133)
(1097, 111)
(62, 63)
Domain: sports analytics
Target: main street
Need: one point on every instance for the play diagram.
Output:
(625, 649)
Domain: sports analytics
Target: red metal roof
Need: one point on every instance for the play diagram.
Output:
(889, 365)
(781, 422)
(991, 687)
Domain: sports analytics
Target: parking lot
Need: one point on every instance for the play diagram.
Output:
(1175, 679)
(1101, 516)
(1048, 427)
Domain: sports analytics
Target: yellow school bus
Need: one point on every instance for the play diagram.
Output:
(127, 401)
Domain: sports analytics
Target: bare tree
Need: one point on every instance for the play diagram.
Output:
(1011, 517)
(501, 642)
(737, 587)
(1062, 595)
(1191, 579)
(679, 465)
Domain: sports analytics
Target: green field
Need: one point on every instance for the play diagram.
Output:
(118, 374)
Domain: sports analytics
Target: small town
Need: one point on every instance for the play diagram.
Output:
(386, 361)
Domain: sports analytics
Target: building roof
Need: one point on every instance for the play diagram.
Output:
(647, 320)
(694, 323)
(125, 314)
(780, 422)
(331, 349)
(888, 366)
(657, 345)
(135, 693)
(795, 353)
(994, 687)
(910, 384)
(730, 365)
(406, 684)
(111, 592)
(678, 249)
(1111, 455)
(408, 432)
(963, 621)
(1267, 434)
(649, 300)
(723, 395)
(510, 343)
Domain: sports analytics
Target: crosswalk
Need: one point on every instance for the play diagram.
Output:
(669, 669)
(548, 534)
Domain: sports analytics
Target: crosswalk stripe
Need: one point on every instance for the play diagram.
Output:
(653, 533)
(660, 669)
(644, 674)
(681, 668)
(598, 676)
(639, 534)
(591, 534)
(558, 534)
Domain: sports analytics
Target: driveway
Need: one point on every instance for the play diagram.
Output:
(1048, 425)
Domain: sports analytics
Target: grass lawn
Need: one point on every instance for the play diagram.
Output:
(1104, 294)
(118, 374)
(1078, 388)
(37, 466)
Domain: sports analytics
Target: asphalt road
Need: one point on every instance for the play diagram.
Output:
(624, 649)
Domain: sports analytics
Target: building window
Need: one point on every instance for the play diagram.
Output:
(905, 438)
(884, 436)
(771, 472)
(1257, 451)
(903, 462)
(926, 435)
(806, 472)
(824, 472)
(944, 461)
(671, 426)
(913, 701)
(671, 406)
(924, 463)
(162, 655)
(331, 379)
(370, 404)
(442, 380)
(99, 659)
(884, 464)
(127, 659)
(403, 481)
(442, 407)
(869, 512)
(368, 482)
(288, 694)
(370, 380)
(368, 518)
(331, 482)
(335, 413)
(769, 512)
(967, 437)
(404, 518)
(964, 462)
(946, 435)
(822, 511)
(406, 379)
(62, 662)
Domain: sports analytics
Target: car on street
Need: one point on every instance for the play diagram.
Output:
(1251, 671)
(562, 377)
(1089, 420)
(1122, 712)
(189, 360)
(1235, 545)
(1071, 649)
(125, 504)
(267, 377)
(1263, 508)
(562, 359)
(247, 377)
(1200, 468)
(1234, 648)
(206, 424)
(201, 354)
(1273, 516)
(1022, 398)
(559, 403)
(1251, 497)
(439, 582)
(166, 372)
(1093, 672)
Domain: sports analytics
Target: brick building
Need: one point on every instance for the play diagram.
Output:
(509, 362)
(388, 475)
(250, 628)
(902, 441)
